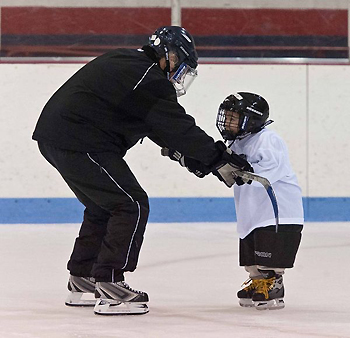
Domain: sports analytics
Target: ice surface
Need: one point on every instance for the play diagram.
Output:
(191, 274)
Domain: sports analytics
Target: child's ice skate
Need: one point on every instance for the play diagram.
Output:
(269, 291)
(119, 299)
(245, 295)
(82, 291)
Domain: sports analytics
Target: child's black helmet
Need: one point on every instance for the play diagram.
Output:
(253, 112)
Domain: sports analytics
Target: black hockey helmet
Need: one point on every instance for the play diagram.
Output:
(253, 112)
(176, 39)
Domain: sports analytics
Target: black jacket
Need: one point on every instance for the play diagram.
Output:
(114, 101)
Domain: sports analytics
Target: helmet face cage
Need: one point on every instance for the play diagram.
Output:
(174, 39)
(178, 79)
(253, 112)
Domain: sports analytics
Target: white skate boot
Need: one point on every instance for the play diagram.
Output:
(82, 291)
(119, 299)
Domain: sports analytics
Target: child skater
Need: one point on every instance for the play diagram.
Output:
(265, 253)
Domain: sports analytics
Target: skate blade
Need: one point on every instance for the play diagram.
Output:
(107, 307)
(246, 302)
(275, 304)
(78, 299)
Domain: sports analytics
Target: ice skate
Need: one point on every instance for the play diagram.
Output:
(269, 292)
(245, 295)
(82, 291)
(119, 299)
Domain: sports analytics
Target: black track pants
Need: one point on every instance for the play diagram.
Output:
(116, 213)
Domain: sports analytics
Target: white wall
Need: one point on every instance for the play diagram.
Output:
(308, 103)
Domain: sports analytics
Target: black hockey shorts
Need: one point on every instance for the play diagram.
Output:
(263, 246)
(116, 213)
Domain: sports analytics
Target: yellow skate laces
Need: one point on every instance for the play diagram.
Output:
(264, 285)
(250, 284)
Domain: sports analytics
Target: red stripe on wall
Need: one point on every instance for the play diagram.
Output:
(199, 21)
(40, 20)
(206, 21)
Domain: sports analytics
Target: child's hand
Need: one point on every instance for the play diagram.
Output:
(230, 162)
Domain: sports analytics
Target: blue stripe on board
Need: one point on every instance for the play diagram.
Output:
(163, 210)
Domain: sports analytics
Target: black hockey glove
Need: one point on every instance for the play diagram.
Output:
(240, 180)
(192, 165)
(230, 162)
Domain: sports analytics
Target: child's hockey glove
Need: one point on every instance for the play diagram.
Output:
(230, 162)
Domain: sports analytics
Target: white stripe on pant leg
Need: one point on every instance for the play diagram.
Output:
(133, 235)
(137, 203)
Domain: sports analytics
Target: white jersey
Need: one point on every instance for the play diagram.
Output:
(268, 155)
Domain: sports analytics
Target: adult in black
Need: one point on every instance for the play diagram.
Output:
(84, 131)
